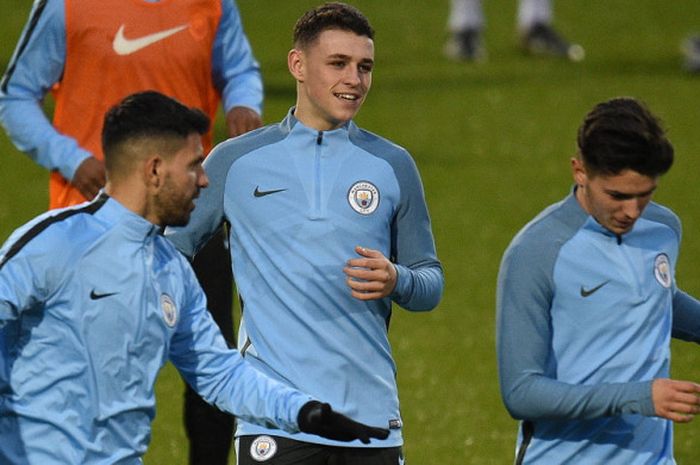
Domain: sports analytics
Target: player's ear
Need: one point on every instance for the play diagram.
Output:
(578, 171)
(295, 63)
(154, 171)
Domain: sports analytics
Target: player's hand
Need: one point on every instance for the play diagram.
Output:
(320, 419)
(371, 277)
(675, 400)
(89, 178)
(240, 120)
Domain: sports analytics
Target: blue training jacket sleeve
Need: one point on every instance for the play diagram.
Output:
(523, 337)
(420, 279)
(686, 317)
(221, 376)
(37, 64)
(236, 73)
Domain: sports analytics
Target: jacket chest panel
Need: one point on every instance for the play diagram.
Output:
(279, 190)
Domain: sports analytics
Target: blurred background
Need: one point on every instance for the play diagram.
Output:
(492, 141)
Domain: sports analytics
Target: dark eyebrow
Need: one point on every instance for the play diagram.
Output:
(341, 56)
(630, 194)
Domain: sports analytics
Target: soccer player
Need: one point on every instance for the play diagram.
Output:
(537, 36)
(329, 225)
(588, 301)
(691, 53)
(93, 53)
(94, 301)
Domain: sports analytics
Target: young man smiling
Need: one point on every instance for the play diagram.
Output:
(587, 303)
(328, 226)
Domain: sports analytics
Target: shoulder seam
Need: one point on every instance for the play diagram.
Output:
(38, 228)
(665, 216)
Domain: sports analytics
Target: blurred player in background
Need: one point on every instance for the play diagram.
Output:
(588, 301)
(537, 36)
(329, 226)
(691, 53)
(94, 300)
(92, 53)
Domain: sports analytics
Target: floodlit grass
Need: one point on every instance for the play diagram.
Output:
(493, 143)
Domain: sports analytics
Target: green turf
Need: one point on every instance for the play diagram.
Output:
(492, 142)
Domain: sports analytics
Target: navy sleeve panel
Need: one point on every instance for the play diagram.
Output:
(686, 317)
(661, 214)
(523, 330)
(209, 214)
(420, 276)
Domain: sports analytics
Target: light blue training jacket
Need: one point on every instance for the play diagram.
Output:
(584, 324)
(298, 201)
(93, 302)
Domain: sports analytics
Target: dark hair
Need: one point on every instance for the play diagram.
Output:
(149, 114)
(332, 15)
(623, 134)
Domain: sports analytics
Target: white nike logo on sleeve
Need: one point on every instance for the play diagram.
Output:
(124, 46)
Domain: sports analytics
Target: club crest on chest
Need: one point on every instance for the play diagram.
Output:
(662, 270)
(363, 197)
(169, 310)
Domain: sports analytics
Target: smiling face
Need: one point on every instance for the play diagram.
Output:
(615, 201)
(334, 74)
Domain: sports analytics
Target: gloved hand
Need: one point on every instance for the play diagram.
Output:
(320, 419)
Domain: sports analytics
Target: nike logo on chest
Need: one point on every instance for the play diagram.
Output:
(259, 193)
(587, 292)
(124, 46)
(97, 296)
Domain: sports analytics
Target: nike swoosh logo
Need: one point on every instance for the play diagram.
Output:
(124, 46)
(587, 292)
(259, 193)
(96, 296)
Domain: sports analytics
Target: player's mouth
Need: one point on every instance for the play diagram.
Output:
(624, 226)
(347, 96)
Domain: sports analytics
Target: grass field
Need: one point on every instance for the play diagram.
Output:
(493, 143)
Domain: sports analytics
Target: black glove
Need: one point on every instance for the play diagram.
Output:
(320, 419)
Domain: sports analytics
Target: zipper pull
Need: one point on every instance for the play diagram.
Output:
(319, 138)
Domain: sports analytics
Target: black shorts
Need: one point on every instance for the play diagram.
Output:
(274, 450)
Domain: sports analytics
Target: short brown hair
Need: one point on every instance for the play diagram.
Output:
(332, 15)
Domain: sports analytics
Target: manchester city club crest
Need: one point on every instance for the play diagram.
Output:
(169, 310)
(263, 448)
(363, 197)
(662, 270)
